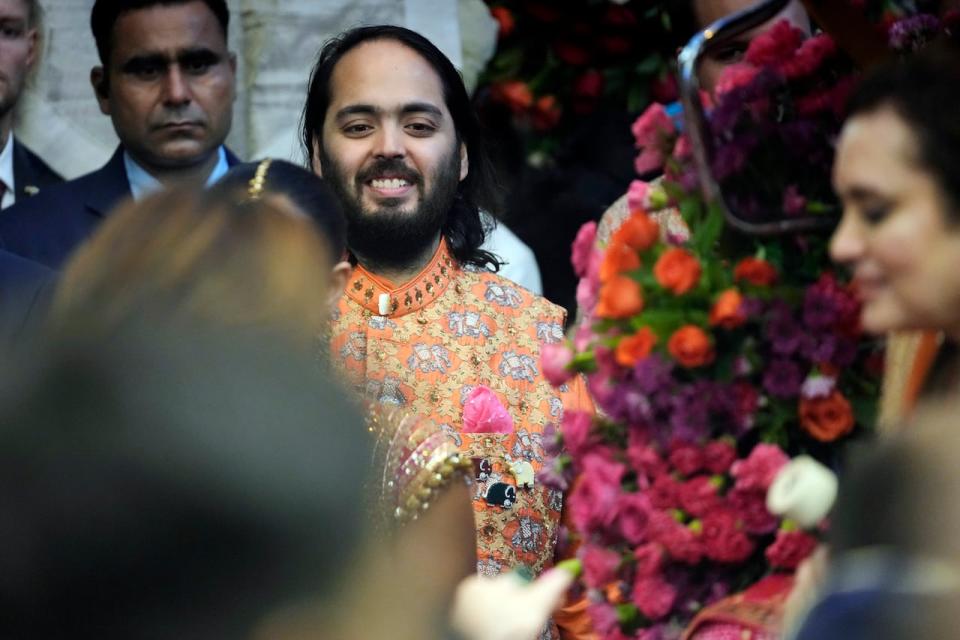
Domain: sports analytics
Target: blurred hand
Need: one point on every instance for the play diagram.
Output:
(808, 582)
(507, 607)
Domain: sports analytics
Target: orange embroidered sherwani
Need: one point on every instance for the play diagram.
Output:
(425, 346)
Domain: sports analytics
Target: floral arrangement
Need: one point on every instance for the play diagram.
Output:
(555, 64)
(713, 358)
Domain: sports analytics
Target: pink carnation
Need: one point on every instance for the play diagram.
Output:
(699, 496)
(604, 617)
(576, 429)
(555, 362)
(774, 46)
(663, 492)
(652, 127)
(735, 76)
(790, 549)
(638, 195)
(583, 246)
(484, 413)
(587, 295)
(649, 559)
(593, 501)
(718, 455)
(654, 597)
(633, 513)
(680, 543)
(724, 539)
(648, 161)
(643, 458)
(599, 565)
(685, 457)
(751, 508)
(759, 469)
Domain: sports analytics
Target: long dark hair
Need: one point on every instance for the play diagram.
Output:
(464, 228)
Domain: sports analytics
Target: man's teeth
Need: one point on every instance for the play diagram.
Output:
(393, 183)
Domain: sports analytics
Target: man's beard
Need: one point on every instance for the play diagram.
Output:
(390, 237)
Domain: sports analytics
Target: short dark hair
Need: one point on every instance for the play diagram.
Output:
(922, 90)
(308, 191)
(464, 228)
(106, 13)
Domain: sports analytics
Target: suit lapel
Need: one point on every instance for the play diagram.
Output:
(108, 185)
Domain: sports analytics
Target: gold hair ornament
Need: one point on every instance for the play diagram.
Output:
(259, 179)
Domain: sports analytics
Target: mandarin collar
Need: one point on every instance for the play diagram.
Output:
(382, 298)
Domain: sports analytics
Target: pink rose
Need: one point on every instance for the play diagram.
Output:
(735, 76)
(576, 428)
(699, 495)
(633, 512)
(555, 362)
(685, 457)
(724, 539)
(718, 455)
(683, 149)
(759, 469)
(584, 336)
(582, 248)
(600, 565)
(587, 295)
(638, 195)
(649, 559)
(654, 597)
(484, 413)
(790, 549)
(751, 507)
(593, 501)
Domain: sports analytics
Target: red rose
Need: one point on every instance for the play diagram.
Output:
(698, 496)
(587, 91)
(774, 46)
(664, 87)
(633, 513)
(685, 457)
(515, 94)
(790, 549)
(757, 272)
(724, 539)
(619, 16)
(654, 597)
(546, 113)
(615, 45)
(751, 508)
(573, 54)
(747, 400)
(505, 21)
(827, 419)
(599, 565)
(718, 455)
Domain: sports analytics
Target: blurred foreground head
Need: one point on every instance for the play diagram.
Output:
(184, 256)
(180, 485)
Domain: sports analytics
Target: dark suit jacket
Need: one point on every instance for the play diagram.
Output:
(47, 227)
(31, 174)
(25, 289)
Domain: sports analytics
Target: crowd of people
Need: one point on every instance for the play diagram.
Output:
(264, 400)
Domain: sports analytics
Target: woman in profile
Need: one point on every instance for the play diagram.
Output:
(252, 259)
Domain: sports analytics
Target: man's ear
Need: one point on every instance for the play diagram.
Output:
(98, 79)
(464, 162)
(315, 161)
(33, 44)
(338, 281)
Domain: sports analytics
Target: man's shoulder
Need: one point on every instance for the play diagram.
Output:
(508, 295)
(30, 170)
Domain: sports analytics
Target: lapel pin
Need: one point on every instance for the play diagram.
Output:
(31, 190)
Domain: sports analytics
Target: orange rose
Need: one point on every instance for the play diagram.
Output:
(691, 346)
(826, 419)
(677, 270)
(515, 94)
(757, 272)
(617, 259)
(635, 348)
(727, 311)
(640, 231)
(620, 298)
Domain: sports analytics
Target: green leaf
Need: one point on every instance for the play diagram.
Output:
(649, 65)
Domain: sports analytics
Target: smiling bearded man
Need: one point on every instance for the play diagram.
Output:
(424, 323)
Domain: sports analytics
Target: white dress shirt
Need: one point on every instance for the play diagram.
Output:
(6, 174)
(143, 184)
(519, 263)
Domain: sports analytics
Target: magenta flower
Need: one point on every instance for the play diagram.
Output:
(654, 596)
(633, 514)
(600, 565)
(555, 362)
(583, 248)
(484, 413)
(783, 378)
(593, 502)
(758, 470)
(576, 428)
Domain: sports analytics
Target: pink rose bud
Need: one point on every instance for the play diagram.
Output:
(484, 413)
(555, 360)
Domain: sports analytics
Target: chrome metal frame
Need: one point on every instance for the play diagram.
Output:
(710, 39)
